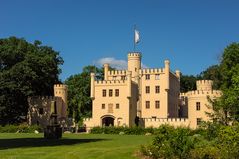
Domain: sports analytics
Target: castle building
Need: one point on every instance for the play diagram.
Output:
(125, 96)
(146, 97)
(40, 107)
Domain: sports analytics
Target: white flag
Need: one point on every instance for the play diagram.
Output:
(136, 36)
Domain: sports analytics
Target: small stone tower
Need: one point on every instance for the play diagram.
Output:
(60, 90)
(134, 64)
(204, 85)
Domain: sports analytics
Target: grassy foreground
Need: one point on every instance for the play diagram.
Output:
(71, 146)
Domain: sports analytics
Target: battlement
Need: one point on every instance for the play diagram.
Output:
(87, 119)
(117, 72)
(62, 86)
(110, 82)
(156, 122)
(151, 71)
(204, 82)
(183, 94)
(165, 119)
(202, 92)
(134, 54)
(44, 98)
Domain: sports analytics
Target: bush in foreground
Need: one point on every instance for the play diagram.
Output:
(122, 130)
(211, 142)
(23, 128)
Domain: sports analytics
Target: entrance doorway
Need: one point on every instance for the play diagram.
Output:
(108, 121)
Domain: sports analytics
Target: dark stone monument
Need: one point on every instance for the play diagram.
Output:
(54, 129)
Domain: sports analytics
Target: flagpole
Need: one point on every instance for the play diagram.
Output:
(134, 37)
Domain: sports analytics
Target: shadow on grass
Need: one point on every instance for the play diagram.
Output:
(39, 142)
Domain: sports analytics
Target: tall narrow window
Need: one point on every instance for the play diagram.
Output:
(116, 92)
(157, 77)
(123, 78)
(117, 106)
(104, 92)
(40, 111)
(110, 108)
(199, 120)
(157, 89)
(110, 93)
(157, 104)
(147, 104)
(147, 89)
(147, 77)
(198, 107)
(103, 106)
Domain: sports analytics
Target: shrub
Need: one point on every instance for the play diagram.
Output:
(125, 130)
(209, 142)
(22, 128)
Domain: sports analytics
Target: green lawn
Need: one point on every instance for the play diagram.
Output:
(71, 146)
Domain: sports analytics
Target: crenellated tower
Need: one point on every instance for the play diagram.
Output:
(134, 64)
(60, 90)
(204, 85)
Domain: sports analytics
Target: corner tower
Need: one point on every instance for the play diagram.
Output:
(60, 90)
(204, 85)
(134, 64)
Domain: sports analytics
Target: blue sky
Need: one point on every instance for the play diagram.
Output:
(191, 34)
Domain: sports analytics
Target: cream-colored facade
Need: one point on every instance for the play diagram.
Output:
(195, 105)
(40, 107)
(148, 97)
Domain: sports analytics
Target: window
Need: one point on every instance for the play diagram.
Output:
(157, 77)
(110, 108)
(147, 104)
(103, 106)
(199, 120)
(117, 92)
(40, 111)
(198, 106)
(117, 106)
(110, 93)
(104, 92)
(147, 89)
(157, 89)
(157, 104)
(147, 77)
(123, 78)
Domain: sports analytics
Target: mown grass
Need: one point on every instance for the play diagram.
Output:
(71, 146)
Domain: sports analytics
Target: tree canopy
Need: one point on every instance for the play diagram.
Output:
(26, 69)
(79, 101)
(226, 108)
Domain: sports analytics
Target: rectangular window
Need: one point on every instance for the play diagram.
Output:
(199, 120)
(116, 92)
(110, 93)
(157, 77)
(157, 104)
(147, 77)
(123, 78)
(103, 106)
(198, 106)
(117, 106)
(104, 92)
(157, 89)
(147, 104)
(147, 89)
(40, 111)
(110, 108)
